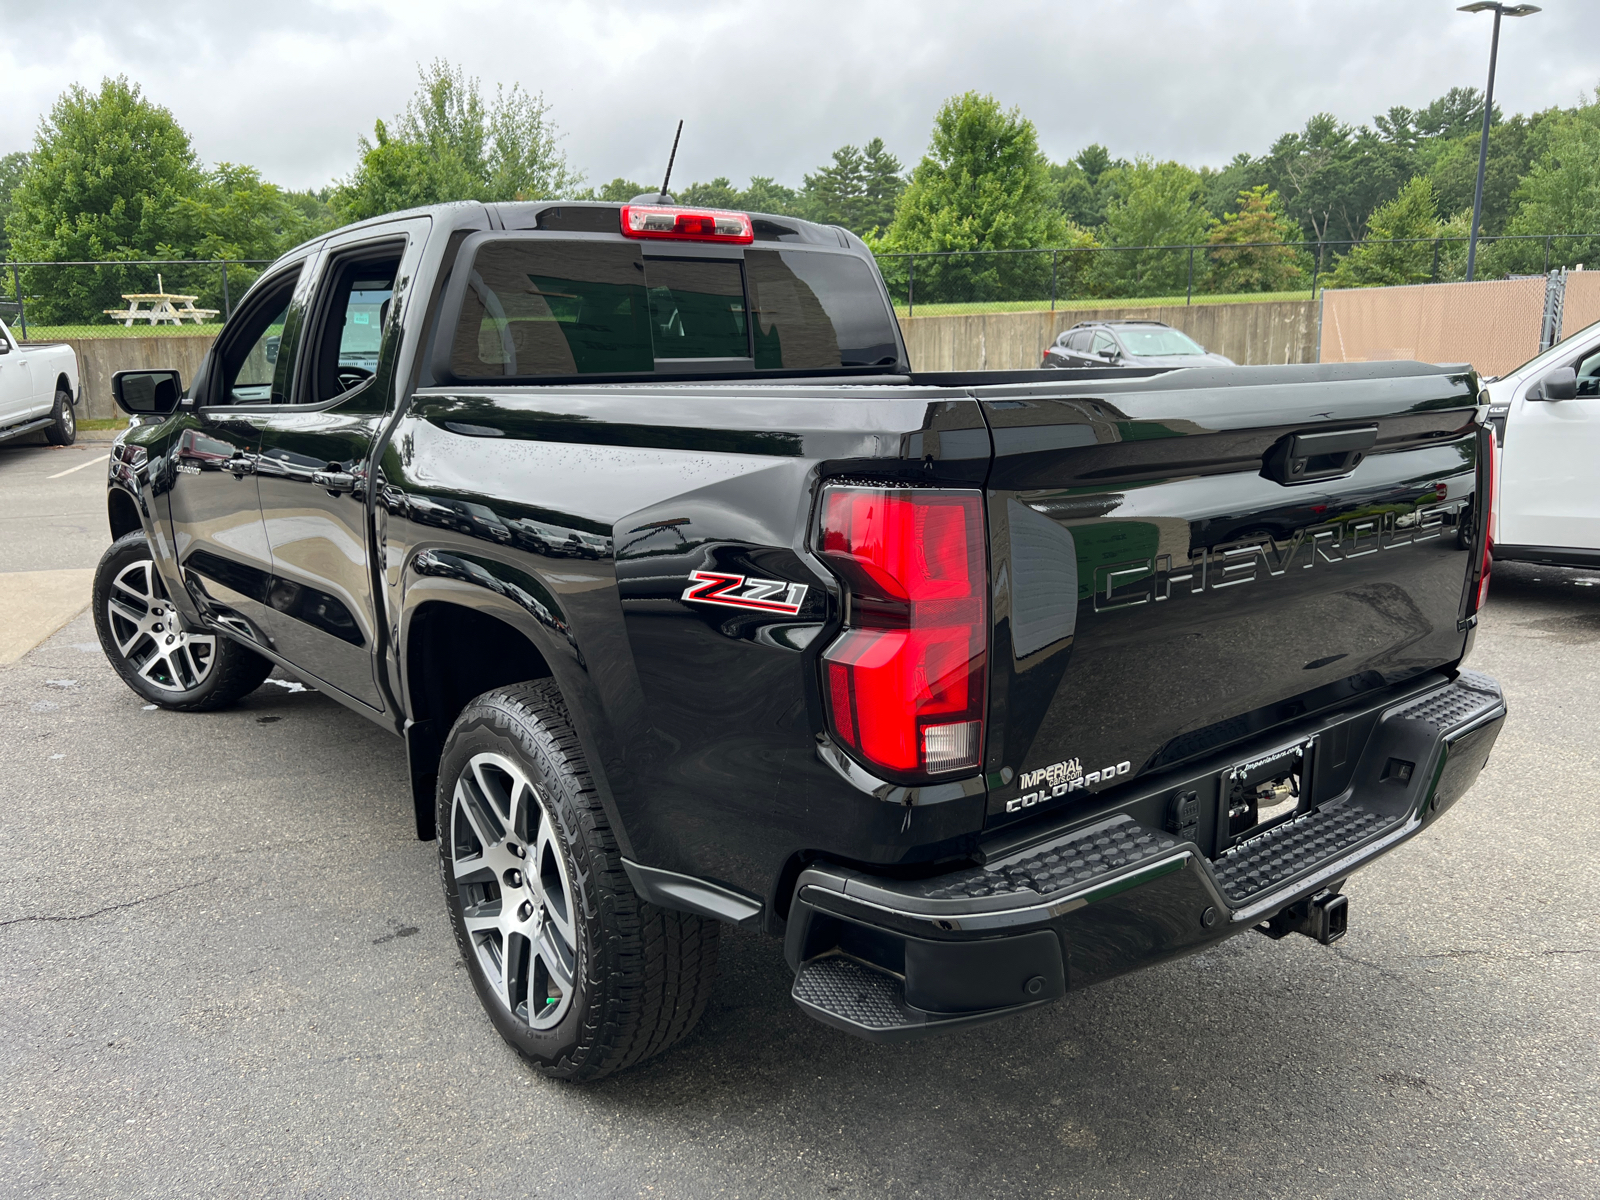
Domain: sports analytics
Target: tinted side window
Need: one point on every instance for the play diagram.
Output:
(553, 308)
(255, 361)
(1079, 340)
(813, 310)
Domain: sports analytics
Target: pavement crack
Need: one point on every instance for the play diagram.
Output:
(110, 908)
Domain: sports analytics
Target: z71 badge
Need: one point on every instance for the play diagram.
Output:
(741, 591)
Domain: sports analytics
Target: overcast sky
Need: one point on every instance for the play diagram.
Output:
(773, 88)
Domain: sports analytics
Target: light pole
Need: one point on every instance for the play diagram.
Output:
(1499, 10)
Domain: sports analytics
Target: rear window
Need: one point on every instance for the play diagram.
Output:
(552, 308)
(548, 307)
(697, 308)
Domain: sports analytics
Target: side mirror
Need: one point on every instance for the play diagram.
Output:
(147, 393)
(1559, 384)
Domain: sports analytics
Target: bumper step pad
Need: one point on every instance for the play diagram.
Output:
(854, 994)
(1067, 862)
(1470, 696)
(1285, 851)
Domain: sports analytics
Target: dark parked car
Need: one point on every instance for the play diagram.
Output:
(1128, 344)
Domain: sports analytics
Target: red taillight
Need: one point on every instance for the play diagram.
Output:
(1490, 509)
(686, 224)
(905, 681)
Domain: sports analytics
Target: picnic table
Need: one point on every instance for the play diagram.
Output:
(165, 307)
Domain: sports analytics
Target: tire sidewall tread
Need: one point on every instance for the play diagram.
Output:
(237, 671)
(62, 433)
(644, 973)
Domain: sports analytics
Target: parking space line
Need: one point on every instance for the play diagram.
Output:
(79, 467)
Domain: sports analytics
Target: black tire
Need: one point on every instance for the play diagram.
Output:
(167, 664)
(639, 976)
(64, 430)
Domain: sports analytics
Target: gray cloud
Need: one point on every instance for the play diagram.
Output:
(772, 89)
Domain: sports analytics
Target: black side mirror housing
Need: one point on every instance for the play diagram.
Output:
(1559, 384)
(147, 393)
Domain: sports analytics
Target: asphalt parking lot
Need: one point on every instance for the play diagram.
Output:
(225, 970)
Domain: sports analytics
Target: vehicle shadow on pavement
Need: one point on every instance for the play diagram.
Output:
(274, 972)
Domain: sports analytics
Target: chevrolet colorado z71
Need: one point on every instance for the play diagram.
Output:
(694, 603)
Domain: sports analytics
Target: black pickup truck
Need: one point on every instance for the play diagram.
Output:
(694, 603)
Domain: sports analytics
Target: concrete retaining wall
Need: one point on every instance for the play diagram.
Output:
(100, 358)
(1279, 331)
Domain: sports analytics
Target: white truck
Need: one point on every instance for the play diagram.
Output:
(38, 390)
(1546, 415)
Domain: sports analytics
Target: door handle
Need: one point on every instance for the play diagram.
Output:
(242, 465)
(336, 482)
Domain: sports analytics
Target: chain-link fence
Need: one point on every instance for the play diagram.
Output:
(978, 281)
(48, 301)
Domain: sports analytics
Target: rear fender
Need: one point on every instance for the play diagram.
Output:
(500, 590)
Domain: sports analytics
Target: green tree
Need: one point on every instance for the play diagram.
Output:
(982, 185)
(1457, 113)
(1153, 205)
(1332, 177)
(719, 193)
(1513, 145)
(618, 191)
(1083, 185)
(1383, 260)
(108, 174)
(452, 144)
(1560, 194)
(1258, 260)
(12, 167)
(857, 190)
(235, 214)
(1222, 187)
(767, 195)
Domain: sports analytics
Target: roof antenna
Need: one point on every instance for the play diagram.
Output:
(665, 198)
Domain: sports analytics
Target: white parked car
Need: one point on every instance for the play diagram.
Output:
(38, 390)
(1547, 416)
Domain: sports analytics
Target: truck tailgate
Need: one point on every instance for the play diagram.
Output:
(1166, 586)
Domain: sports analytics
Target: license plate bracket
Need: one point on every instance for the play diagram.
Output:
(1263, 791)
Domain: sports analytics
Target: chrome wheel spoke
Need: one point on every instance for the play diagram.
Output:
(156, 660)
(558, 959)
(476, 811)
(547, 875)
(514, 889)
(482, 918)
(492, 787)
(149, 635)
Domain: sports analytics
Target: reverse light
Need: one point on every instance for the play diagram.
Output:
(905, 681)
(686, 224)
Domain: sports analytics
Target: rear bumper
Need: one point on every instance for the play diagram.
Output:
(891, 959)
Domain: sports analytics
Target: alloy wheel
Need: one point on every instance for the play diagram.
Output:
(150, 636)
(516, 895)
